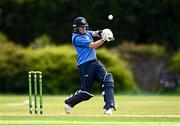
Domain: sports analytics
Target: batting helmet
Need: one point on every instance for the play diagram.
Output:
(80, 22)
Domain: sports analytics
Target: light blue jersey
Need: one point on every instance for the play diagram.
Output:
(81, 43)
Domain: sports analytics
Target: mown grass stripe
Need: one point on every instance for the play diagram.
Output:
(36, 122)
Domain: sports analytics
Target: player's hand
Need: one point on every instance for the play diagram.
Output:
(107, 35)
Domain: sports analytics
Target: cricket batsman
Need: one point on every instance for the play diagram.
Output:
(89, 67)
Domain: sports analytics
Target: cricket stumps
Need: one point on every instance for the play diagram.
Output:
(35, 85)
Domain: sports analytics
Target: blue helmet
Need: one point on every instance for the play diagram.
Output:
(80, 22)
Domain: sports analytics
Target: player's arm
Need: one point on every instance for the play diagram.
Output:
(82, 42)
(96, 44)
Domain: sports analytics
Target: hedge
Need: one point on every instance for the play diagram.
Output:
(174, 65)
(58, 64)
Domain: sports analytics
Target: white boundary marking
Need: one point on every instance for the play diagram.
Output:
(141, 116)
(170, 116)
(24, 103)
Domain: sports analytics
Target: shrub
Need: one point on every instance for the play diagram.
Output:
(174, 65)
(42, 42)
(128, 50)
(58, 65)
(123, 77)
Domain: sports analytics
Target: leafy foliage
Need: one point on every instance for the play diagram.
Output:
(175, 63)
(58, 65)
(132, 50)
(141, 21)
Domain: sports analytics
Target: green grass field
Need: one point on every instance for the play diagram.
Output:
(131, 111)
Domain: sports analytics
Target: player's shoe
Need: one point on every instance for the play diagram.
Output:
(67, 109)
(108, 112)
